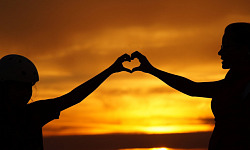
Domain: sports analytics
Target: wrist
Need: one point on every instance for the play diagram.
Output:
(110, 70)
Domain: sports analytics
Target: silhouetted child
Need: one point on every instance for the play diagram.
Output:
(230, 96)
(21, 123)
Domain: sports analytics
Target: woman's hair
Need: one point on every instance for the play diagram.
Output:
(239, 32)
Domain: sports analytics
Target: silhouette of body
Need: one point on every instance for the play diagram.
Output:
(230, 96)
(21, 123)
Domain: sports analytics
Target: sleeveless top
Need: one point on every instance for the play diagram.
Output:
(230, 107)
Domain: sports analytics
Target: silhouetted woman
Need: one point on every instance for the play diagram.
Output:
(21, 123)
(230, 96)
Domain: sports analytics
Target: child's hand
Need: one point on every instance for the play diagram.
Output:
(117, 66)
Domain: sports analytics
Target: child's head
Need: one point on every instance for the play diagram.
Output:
(17, 76)
(235, 49)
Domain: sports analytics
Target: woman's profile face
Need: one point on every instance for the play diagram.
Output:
(18, 93)
(233, 55)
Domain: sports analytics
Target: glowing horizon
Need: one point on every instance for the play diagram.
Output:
(157, 148)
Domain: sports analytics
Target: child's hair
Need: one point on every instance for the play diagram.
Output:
(239, 32)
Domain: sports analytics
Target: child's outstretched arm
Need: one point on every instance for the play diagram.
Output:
(184, 85)
(82, 91)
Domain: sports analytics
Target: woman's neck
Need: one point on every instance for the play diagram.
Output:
(235, 74)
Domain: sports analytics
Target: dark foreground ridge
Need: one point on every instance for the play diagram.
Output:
(120, 141)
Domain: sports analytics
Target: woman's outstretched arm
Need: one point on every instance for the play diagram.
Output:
(182, 84)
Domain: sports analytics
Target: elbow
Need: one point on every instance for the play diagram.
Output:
(193, 89)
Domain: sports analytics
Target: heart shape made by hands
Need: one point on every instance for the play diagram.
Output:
(132, 64)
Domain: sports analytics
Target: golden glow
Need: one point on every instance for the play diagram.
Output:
(160, 149)
(79, 39)
(177, 129)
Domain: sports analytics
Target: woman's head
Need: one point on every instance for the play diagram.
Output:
(235, 48)
(239, 33)
(17, 76)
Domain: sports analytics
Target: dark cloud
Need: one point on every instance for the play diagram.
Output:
(48, 31)
(136, 91)
(58, 128)
(207, 120)
(40, 27)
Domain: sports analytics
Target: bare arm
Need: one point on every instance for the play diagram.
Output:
(82, 91)
(184, 85)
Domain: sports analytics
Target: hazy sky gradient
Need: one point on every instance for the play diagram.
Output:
(72, 41)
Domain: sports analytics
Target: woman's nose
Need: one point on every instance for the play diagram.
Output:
(220, 51)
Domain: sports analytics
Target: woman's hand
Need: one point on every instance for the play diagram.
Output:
(145, 65)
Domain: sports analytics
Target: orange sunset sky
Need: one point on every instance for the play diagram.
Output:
(71, 41)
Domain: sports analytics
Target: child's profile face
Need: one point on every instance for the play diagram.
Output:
(18, 93)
